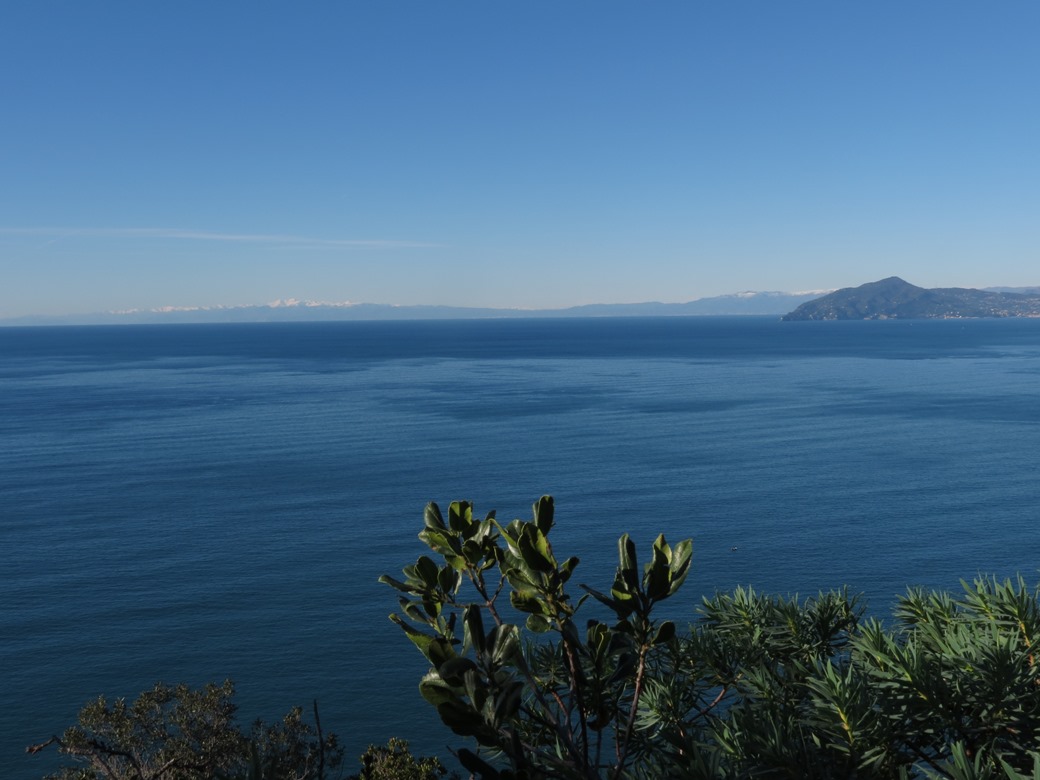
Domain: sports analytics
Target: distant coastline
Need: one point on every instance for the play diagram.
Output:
(890, 298)
(743, 303)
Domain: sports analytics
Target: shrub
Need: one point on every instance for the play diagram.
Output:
(181, 733)
(760, 686)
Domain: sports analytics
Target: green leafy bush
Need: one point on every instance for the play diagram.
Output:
(759, 686)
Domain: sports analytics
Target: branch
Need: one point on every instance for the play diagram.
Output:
(321, 743)
(481, 586)
(715, 702)
(576, 694)
(54, 740)
(637, 693)
(929, 760)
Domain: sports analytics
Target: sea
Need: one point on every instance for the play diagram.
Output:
(194, 503)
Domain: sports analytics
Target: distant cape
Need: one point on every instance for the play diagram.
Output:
(893, 298)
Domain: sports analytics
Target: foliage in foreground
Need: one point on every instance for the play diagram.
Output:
(758, 687)
(182, 733)
(396, 762)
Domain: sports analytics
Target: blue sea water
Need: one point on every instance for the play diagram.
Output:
(191, 503)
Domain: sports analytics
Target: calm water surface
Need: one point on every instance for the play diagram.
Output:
(191, 503)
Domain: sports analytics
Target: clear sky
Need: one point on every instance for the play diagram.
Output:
(506, 153)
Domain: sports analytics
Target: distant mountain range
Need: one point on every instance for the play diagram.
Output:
(893, 298)
(890, 298)
(309, 311)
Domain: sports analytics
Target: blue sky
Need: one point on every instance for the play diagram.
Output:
(531, 154)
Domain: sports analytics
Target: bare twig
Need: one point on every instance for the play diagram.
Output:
(54, 740)
(636, 694)
(321, 743)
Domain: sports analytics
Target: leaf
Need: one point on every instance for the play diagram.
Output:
(601, 597)
(511, 534)
(682, 554)
(662, 552)
(473, 628)
(665, 633)
(568, 567)
(535, 551)
(460, 516)
(622, 603)
(477, 766)
(432, 517)
(623, 596)
(461, 718)
(412, 610)
(432, 606)
(520, 578)
(440, 651)
(627, 572)
(507, 703)
(453, 670)
(435, 690)
(420, 639)
(597, 637)
(656, 577)
(504, 641)
(440, 541)
(538, 624)
(528, 601)
(472, 552)
(401, 586)
(448, 580)
(543, 511)
(427, 571)
(478, 691)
